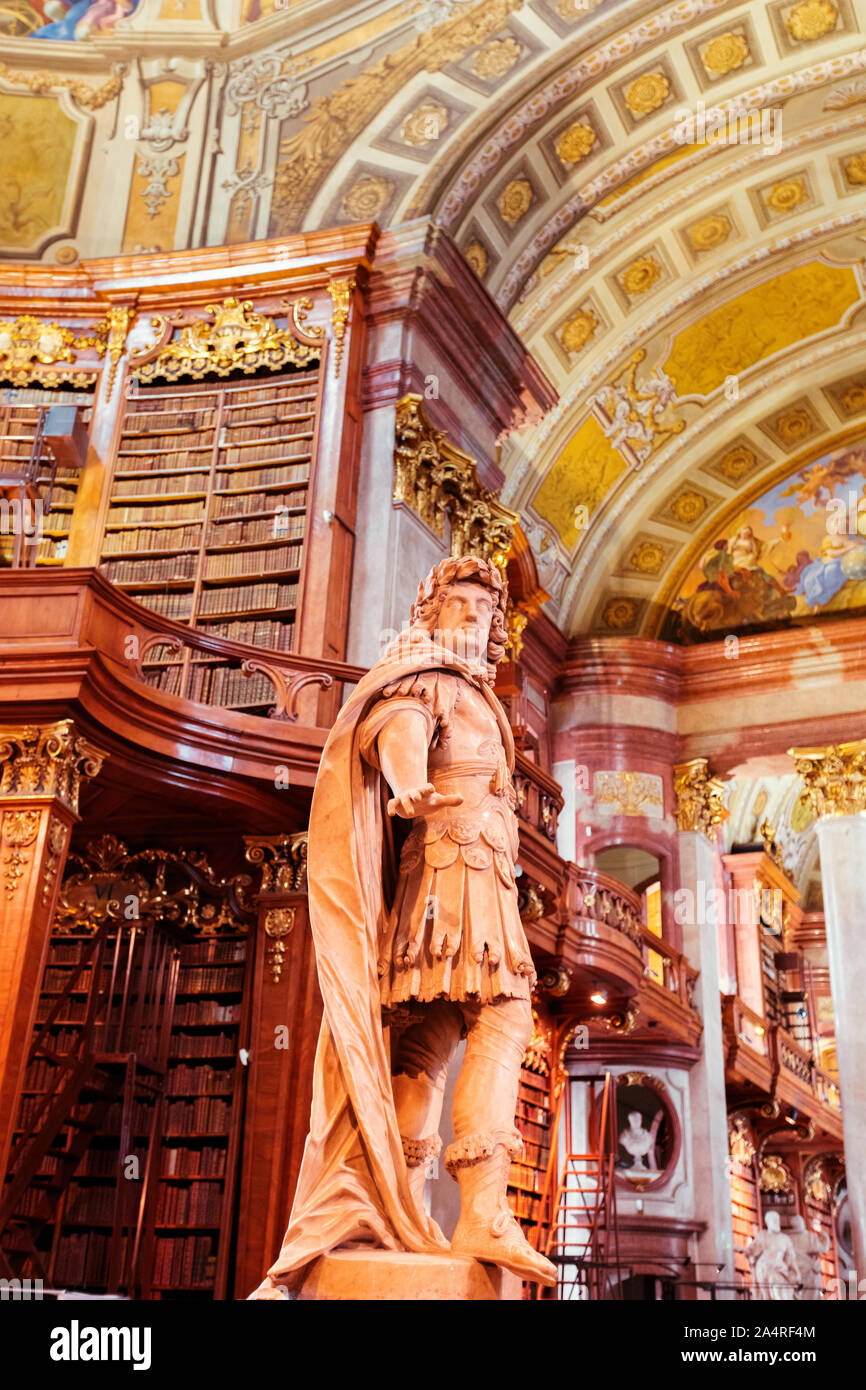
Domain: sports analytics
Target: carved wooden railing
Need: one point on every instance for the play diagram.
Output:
(781, 1050)
(668, 967)
(742, 1023)
(602, 899)
(539, 796)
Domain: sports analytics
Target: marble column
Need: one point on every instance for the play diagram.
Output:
(835, 781)
(699, 809)
(42, 771)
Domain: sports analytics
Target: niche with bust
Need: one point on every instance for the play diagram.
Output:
(648, 1132)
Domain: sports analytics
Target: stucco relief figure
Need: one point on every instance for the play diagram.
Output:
(809, 1246)
(422, 940)
(775, 1271)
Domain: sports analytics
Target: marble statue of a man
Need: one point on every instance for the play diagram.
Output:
(808, 1248)
(775, 1272)
(413, 909)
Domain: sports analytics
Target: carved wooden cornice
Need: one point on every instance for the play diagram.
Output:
(237, 340)
(34, 349)
(435, 478)
(51, 760)
(699, 797)
(834, 778)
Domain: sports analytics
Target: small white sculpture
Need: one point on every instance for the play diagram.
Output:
(809, 1246)
(775, 1271)
(640, 1143)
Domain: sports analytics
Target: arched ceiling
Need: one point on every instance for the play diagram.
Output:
(695, 294)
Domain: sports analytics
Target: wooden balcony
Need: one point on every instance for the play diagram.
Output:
(668, 988)
(763, 1060)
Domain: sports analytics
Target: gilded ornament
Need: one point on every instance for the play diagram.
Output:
(55, 844)
(538, 1049)
(640, 276)
(238, 339)
(51, 761)
(515, 199)
(854, 398)
(576, 9)
(737, 462)
(367, 197)
(424, 125)
(709, 232)
(20, 829)
(66, 255)
(619, 613)
(278, 924)
(846, 94)
(119, 320)
(795, 425)
(29, 346)
(855, 169)
(435, 478)
(688, 507)
(46, 83)
(699, 797)
(575, 143)
(633, 411)
(576, 332)
(834, 778)
(341, 296)
(496, 58)
(785, 196)
(740, 1144)
(476, 256)
(515, 623)
(648, 557)
(647, 93)
(283, 860)
(773, 1176)
(811, 20)
(815, 1184)
(724, 53)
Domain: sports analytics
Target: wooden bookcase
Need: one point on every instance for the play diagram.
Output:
(526, 1179)
(19, 424)
(208, 517)
(188, 1225)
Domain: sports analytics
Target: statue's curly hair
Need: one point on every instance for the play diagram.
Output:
(456, 569)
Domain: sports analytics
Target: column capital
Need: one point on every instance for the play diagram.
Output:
(699, 796)
(283, 859)
(834, 778)
(48, 760)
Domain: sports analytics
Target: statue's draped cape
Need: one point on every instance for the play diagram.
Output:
(352, 1188)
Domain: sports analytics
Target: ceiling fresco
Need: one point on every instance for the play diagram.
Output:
(668, 200)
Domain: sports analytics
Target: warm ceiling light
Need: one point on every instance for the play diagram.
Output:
(791, 1117)
(759, 1031)
(598, 997)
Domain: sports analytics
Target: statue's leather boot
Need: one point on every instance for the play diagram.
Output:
(487, 1230)
(418, 1154)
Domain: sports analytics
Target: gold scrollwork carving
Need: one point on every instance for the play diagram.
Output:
(699, 797)
(278, 924)
(773, 1176)
(56, 848)
(31, 350)
(435, 478)
(47, 761)
(341, 297)
(45, 83)
(283, 860)
(118, 324)
(237, 339)
(20, 829)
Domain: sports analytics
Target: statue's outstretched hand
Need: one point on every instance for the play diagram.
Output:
(421, 801)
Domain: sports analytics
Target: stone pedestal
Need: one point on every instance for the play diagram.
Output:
(387, 1276)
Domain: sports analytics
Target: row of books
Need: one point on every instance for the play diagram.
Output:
(205, 1045)
(177, 511)
(82, 1259)
(284, 557)
(230, 460)
(162, 538)
(186, 1262)
(141, 1117)
(73, 1010)
(90, 1203)
(165, 483)
(213, 953)
(259, 632)
(231, 504)
(171, 605)
(187, 1081)
(202, 978)
(248, 597)
(145, 571)
(267, 429)
(228, 686)
(525, 1177)
(204, 1115)
(533, 1133)
(536, 1114)
(278, 389)
(280, 526)
(200, 1204)
(60, 496)
(100, 1162)
(40, 1075)
(264, 477)
(181, 1162)
(205, 1011)
(523, 1204)
(152, 415)
(535, 1155)
(190, 439)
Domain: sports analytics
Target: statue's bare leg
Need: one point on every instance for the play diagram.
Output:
(419, 1067)
(486, 1141)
